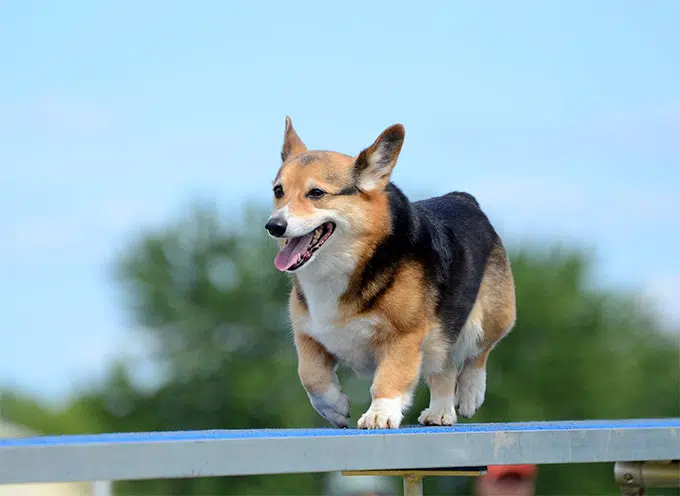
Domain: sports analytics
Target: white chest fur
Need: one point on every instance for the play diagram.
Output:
(349, 341)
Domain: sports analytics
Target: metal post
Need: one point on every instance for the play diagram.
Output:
(413, 485)
(413, 478)
(635, 477)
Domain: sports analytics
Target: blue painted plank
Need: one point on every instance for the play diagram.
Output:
(226, 434)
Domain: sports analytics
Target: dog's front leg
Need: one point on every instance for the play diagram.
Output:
(399, 360)
(316, 368)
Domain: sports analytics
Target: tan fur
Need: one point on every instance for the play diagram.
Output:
(404, 309)
(495, 308)
(315, 364)
(399, 362)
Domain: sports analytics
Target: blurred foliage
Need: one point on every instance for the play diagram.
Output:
(27, 411)
(207, 293)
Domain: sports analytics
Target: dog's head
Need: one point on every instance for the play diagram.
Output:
(328, 204)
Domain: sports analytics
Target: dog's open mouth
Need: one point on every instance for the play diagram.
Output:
(298, 251)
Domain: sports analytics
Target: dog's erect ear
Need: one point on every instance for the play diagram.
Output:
(374, 164)
(292, 144)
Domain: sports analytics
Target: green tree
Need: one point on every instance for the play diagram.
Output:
(26, 411)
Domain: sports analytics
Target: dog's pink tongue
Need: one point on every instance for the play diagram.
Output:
(288, 255)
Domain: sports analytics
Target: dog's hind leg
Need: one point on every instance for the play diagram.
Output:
(442, 386)
(472, 385)
(493, 317)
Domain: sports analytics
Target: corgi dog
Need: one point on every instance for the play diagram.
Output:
(395, 289)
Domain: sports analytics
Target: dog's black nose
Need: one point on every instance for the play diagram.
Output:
(276, 226)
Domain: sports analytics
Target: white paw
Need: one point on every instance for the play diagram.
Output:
(471, 390)
(382, 414)
(438, 415)
(333, 405)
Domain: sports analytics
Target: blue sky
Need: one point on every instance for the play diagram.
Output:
(562, 117)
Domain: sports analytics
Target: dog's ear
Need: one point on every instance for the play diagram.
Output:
(374, 165)
(292, 144)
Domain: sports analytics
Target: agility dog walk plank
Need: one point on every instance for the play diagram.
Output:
(156, 455)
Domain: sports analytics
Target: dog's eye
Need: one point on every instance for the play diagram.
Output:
(315, 193)
(278, 191)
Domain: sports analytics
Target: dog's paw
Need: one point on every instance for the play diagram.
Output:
(382, 414)
(471, 391)
(438, 415)
(333, 405)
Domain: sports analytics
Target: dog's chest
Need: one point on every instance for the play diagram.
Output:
(349, 341)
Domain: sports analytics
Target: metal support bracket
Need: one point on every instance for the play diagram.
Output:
(413, 478)
(634, 477)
